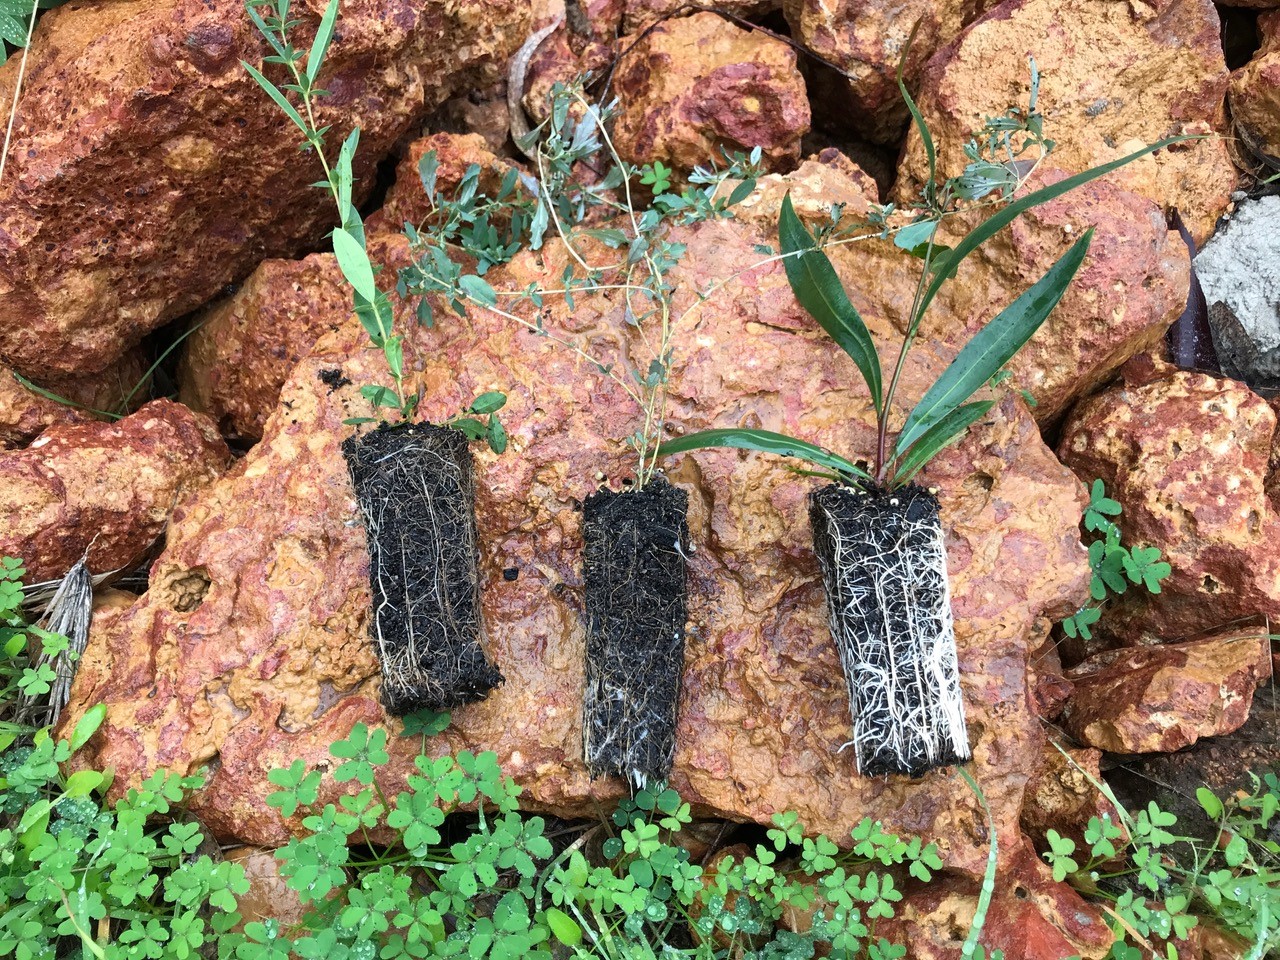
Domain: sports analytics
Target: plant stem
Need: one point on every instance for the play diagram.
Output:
(913, 326)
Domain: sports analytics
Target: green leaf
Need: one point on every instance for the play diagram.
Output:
(346, 157)
(277, 96)
(914, 238)
(496, 435)
(941, 435)
(354, 263)
(917, 118)
(1007, 214)
(320, 46)
(814, 281)
(82, 783)
(763, 441)
(428, 169)
(478, 290)
(993, 346)
(488, 402)
(563, 927)
(87, 726)
(1209, 803)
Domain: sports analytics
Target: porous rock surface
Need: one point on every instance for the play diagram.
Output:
(1254, 93)
(1114, 77)
(698, 85)
(237, 360)
(24, 413)
(88, 265)
(1029, 917)
(1161, 698)
(274, 556)
(108, 488)
(244, 346)
(866, 39)
(1063, 795)
(1187, 455)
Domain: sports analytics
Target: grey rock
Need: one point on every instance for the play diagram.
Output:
(1239, 270)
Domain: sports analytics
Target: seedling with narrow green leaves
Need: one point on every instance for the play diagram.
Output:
(414, 481)
(878, 534)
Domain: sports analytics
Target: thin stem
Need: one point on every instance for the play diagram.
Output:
(913, 325)
(17, 89)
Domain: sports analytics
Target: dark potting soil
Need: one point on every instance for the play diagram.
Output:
(884, 567)
(416, 492)
(636, 603)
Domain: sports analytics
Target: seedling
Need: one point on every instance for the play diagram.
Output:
(877, 534)
(413, 481)
(635, 540)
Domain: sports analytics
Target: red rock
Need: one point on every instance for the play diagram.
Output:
(700, 85)
(236, 362)
(1064, 796)
(1114, 77)
(1187, 457)
(237, 359)
(269, 896)
(1030, 917)
(865, 39)
(24, 413)
(273, 555)
(216, 181)
(1163, 698)
(108, 488)
(1255, 92)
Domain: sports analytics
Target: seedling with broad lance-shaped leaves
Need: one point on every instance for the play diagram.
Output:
(413, 481)
(877, 534)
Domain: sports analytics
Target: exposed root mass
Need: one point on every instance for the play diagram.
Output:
(636, 596)
(417, 496)
(884, 564)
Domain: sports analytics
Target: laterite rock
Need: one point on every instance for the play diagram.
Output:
(1255, 92)
(89, 263)
(1085, 50)
(274, 554)
(109, 488)
(1189, 458)
(24, 413)
(1158, 699)
(699, 85)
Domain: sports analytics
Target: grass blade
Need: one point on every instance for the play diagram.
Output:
(815, 284)
(763, 441)
(992, 346)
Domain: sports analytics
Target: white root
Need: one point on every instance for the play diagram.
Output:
(889, 607)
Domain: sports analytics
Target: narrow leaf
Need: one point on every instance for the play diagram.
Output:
(87, 726)
(320, 46)
(762, 441)
(814, 281)
(1006, 215)
(993, 346)
(354, 263)
(926, 138)
(277, 96)
(940, 436)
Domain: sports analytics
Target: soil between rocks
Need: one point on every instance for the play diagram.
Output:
(635, 543)
(416, 490)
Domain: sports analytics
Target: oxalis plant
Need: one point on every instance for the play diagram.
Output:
(414, 481)
(877, 534)
(586, 201)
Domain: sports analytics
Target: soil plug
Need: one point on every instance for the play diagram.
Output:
(884, 566)
(416, 492)
(876, 533)
(636, 597)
